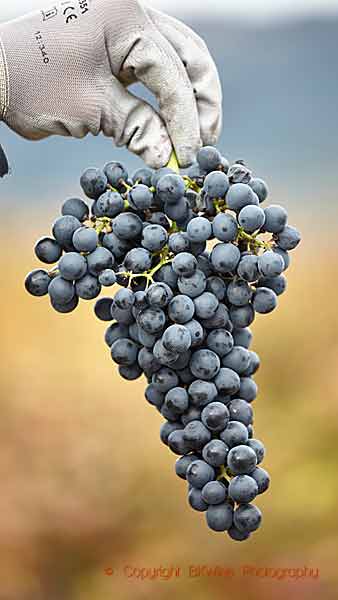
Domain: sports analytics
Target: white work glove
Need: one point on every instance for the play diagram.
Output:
(65, 71)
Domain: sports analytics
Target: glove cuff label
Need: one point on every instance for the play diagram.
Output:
(4, 83)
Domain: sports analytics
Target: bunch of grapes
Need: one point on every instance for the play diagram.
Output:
(195, 257)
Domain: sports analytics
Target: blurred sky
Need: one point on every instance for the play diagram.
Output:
(251, 9)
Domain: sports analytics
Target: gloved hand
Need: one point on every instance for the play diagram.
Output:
(66, 70)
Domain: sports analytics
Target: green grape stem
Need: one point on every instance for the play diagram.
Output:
(112, 189)
(220, 205)
(191, 184)
(101, 224)
(149, 275)
(222, 473)
(125, 185)
(174, 228)
(252, 240)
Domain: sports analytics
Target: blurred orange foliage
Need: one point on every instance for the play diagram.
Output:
(87, 485)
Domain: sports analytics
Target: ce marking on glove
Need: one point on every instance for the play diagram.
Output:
(70, 11)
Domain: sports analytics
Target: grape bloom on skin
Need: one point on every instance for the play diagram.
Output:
(193, 259)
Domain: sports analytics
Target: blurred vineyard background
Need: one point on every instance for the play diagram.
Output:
(86, 484)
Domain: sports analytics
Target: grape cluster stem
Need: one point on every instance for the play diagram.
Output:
(165, 259)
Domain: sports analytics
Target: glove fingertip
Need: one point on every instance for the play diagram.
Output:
(211, 128)
(158, 155)
(210, 140)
